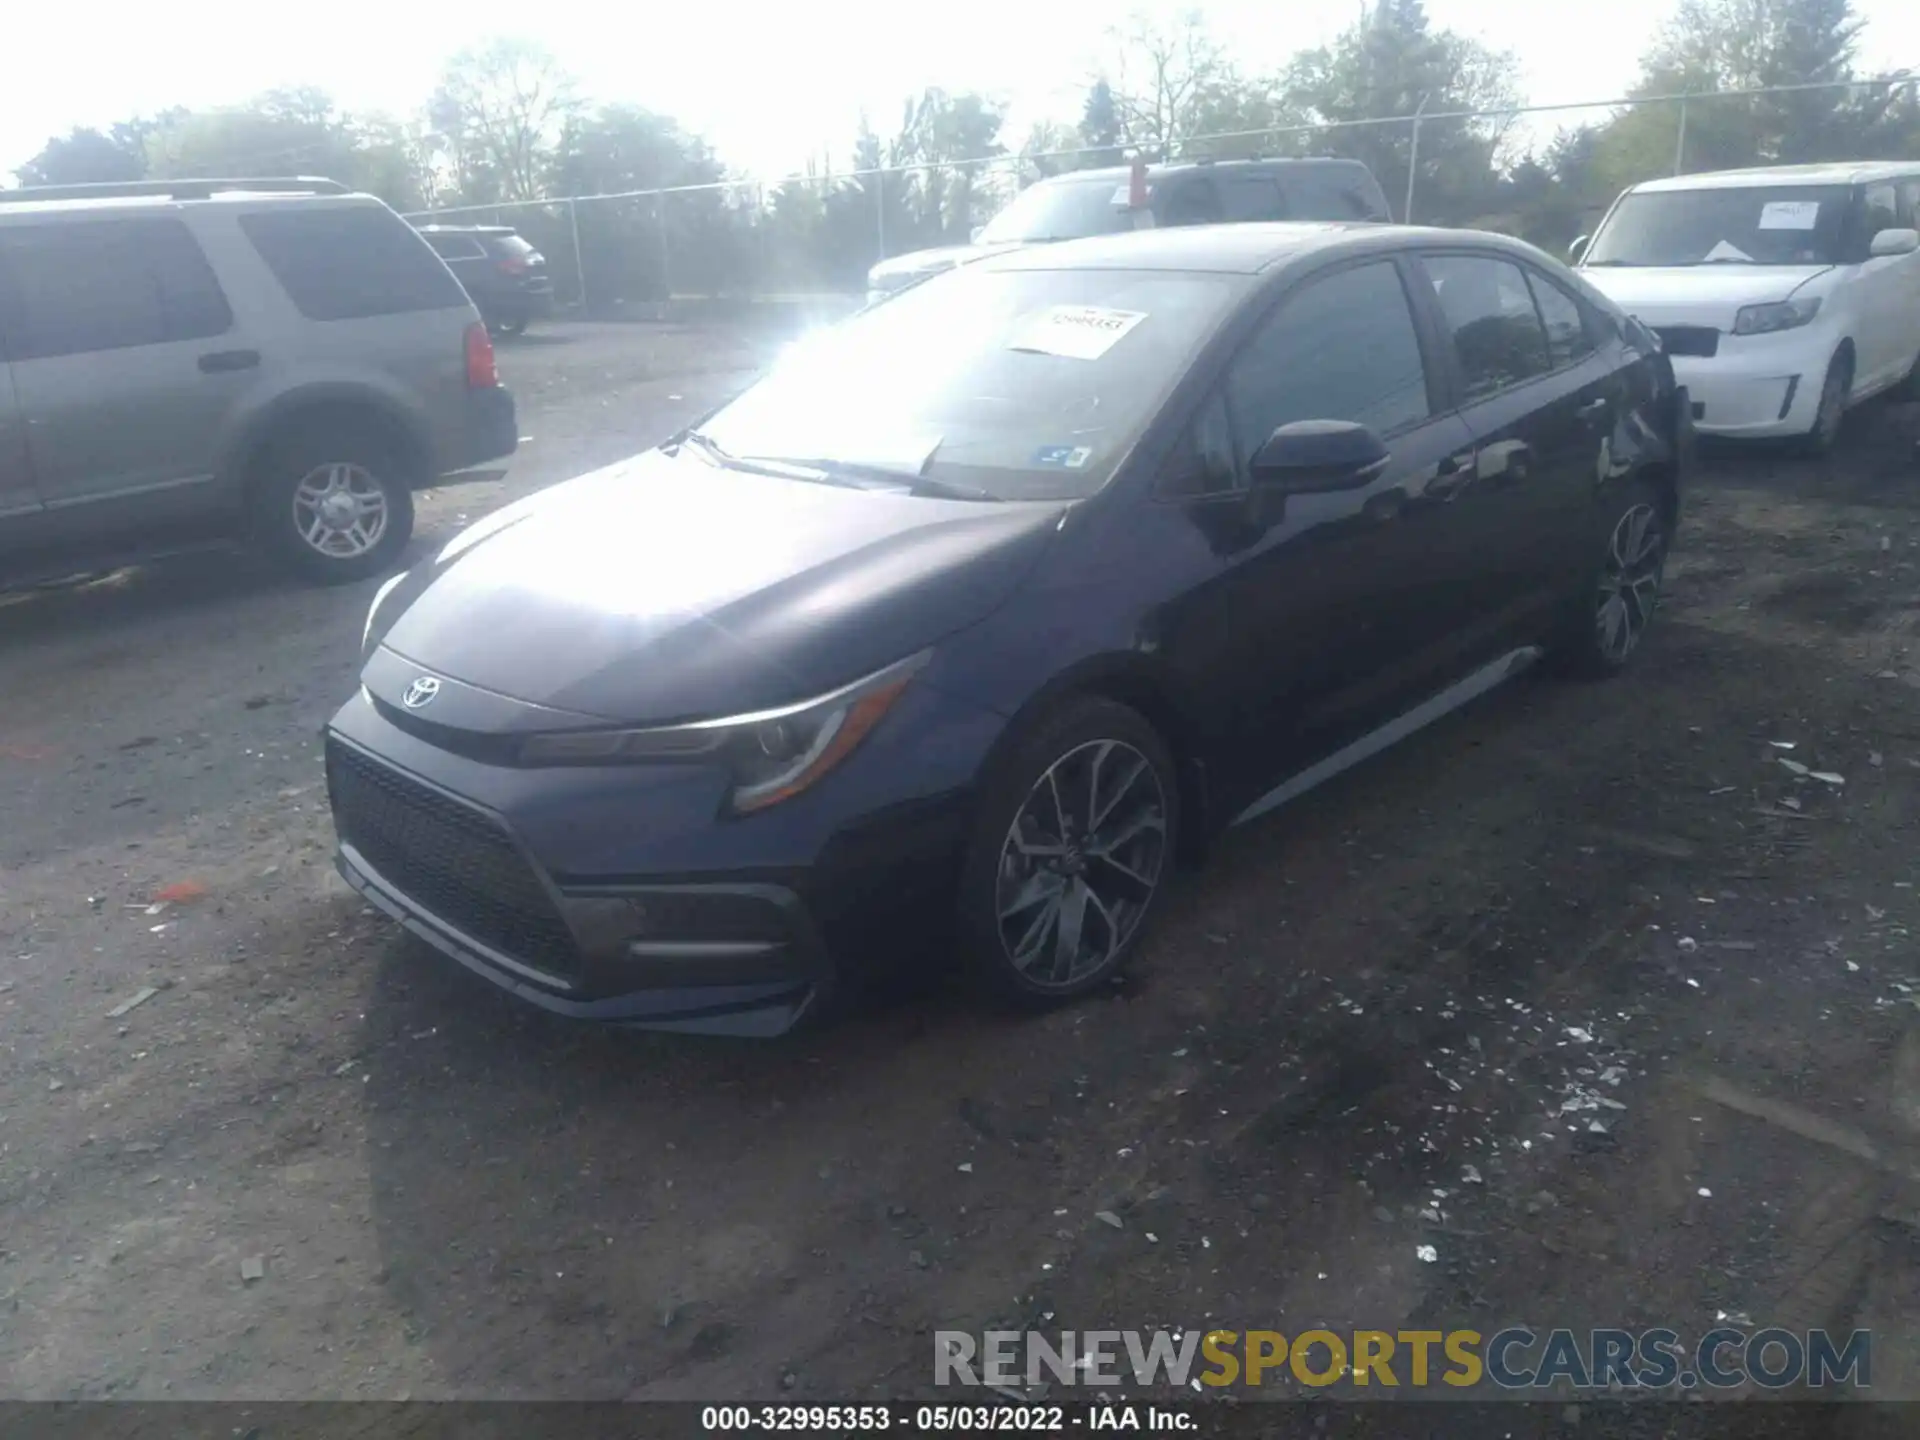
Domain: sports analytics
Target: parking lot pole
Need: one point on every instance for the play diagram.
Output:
(1413, 160)
(660, 222)
(880, 211)
(1680, 143)
(579, 266)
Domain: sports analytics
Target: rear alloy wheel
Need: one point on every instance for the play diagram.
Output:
(1607, 622)
(1074, 843)
(1832, 412)
(337, 509)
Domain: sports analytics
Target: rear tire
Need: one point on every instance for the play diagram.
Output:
(334, 504)
(1607, 621)
(512, 328)
(1071, 851)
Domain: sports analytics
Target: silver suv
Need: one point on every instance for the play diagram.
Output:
(274, 360)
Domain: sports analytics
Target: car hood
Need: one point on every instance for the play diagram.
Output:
(665, 588)
(1696, 294)
(900, 269)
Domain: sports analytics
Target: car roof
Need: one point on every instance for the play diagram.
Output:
(24, 208)
(1120, 173)
(1245, 248)
(1843, 173)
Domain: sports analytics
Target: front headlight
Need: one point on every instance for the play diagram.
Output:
(1779, 315)
(771, 755)
(386, 588)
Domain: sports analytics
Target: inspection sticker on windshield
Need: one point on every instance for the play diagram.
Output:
(1077, 332)
(1073, 457)
(1790, 215)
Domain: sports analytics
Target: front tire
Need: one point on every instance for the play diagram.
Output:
(1607, 621)
(1071, 851)
(334, 505)
(1832, 412)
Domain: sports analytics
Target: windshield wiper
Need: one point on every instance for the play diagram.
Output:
(885, 475)
(757, 464)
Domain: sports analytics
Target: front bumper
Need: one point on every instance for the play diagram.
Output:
(1758, 386)
(615, 895)
(677, 998)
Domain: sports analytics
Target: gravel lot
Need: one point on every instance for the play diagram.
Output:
(1585, 988)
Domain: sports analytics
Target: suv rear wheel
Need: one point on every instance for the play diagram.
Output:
(335, 506)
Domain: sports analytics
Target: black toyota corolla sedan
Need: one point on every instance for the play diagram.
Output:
(980, 610)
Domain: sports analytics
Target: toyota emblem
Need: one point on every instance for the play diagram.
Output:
(420, 692)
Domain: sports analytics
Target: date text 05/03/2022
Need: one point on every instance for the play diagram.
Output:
(997, 1418)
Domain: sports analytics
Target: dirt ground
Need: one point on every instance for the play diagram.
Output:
(1585, 988)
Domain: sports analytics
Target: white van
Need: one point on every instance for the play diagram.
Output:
(1783, 296)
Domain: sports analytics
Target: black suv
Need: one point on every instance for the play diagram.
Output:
(1198, 192)
(504, 274)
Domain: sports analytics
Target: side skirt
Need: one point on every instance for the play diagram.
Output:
(1394, 731)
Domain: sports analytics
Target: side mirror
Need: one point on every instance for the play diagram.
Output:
(1894, 242)
(1577, 249)
(1312, 457)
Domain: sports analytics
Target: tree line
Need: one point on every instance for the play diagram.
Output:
(507, 123)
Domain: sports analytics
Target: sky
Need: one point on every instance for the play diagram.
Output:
(769, 86)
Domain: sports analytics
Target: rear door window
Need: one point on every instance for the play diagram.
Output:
(1251, 197)
(1568, 337)
(351, 263)
(1496, 328)
(1192, 202)
(1326, 195)
(78, 288)
(456, 247)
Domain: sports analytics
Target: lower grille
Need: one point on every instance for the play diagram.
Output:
(1702, 341)
(454, 862)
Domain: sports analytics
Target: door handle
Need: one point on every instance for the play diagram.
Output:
(1593, 410)
(1452, 474)
(223, 360)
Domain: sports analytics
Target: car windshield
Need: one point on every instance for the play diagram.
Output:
(1749, 225)
(1022, 384)
(1060, 210)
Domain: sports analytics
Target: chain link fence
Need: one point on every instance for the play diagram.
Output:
(812, 237)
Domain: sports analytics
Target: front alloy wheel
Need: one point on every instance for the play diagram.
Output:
(1080, 863)
(1072, 845)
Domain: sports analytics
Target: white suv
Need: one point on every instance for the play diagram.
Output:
(1783, 296)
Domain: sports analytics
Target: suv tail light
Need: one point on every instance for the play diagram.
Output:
(514, 266)
(482, 374)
